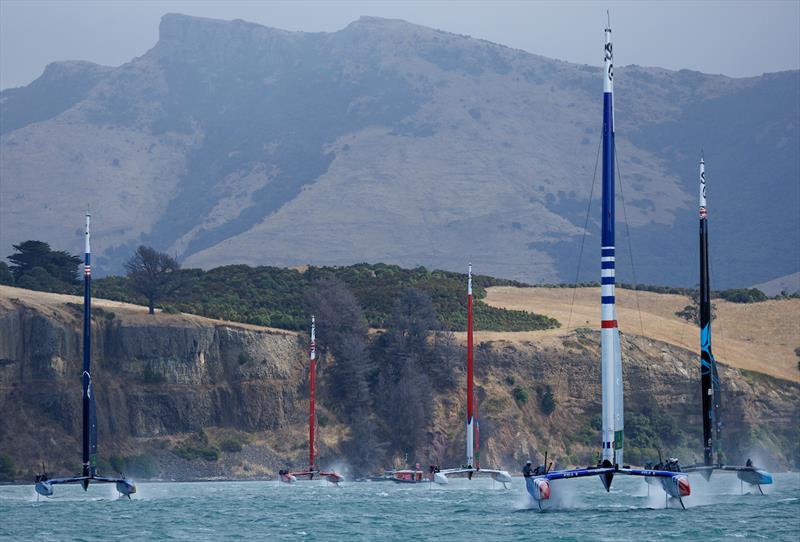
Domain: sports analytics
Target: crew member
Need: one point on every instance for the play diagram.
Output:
(527, 470)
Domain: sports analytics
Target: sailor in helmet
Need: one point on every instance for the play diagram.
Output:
(527, 470)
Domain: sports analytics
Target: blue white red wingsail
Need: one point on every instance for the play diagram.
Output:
(472, 466)
(675, 484)
(44, 484)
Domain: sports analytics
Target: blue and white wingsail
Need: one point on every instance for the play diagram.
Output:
(538, 481)
(44, 484)
(711, 395)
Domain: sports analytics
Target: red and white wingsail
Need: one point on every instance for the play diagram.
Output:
(312, 472)
(472, 466)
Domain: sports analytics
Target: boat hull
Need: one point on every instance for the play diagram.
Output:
(756, 477)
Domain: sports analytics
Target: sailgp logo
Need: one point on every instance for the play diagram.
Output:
(609, 58)
(703, 212)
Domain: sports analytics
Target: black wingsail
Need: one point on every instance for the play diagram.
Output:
(89, 414)
(709, 379)
(44, 484)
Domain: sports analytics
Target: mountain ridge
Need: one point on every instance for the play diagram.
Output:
(233, 142)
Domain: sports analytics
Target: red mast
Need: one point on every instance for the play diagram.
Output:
(470, 425)
(312, 372)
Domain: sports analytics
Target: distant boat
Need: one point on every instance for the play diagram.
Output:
(44, 484)
(537, 482)
(472, 467)
(312, 472)
(709, 378)
(402, 476)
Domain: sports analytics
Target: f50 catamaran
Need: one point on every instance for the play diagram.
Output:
(675, 484)
(709, 378)
(473, 465)
(44, 485)
(313, 471)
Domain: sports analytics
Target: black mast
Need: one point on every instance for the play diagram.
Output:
(709, 380)
(89, 417)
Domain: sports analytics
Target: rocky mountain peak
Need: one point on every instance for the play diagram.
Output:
(227, 142)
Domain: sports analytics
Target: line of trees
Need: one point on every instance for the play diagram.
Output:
(261, 295)
(382, 387)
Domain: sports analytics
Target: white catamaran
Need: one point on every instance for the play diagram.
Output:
(44, 484)
(709, 378)
(675, 484)
(312, 472)
(473, 465)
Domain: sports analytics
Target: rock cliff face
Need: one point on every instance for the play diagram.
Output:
(662, 397)
(166, 380)
(154, 377)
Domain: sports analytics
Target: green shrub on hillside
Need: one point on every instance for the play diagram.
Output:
(272, 296)
(743, 295)
(190, 452)
(231, 445)
(547, 402)
(520, 395)
(197, 446)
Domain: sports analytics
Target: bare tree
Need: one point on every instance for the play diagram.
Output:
(153, 274)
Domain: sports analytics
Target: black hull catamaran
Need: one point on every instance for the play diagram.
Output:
(44, 485)
(312, 471)
(709, 377)
(674, 483)
(473, 465)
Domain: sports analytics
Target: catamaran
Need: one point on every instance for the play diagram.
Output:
(404, 476)
(675, 484)
(44, 484)
(472, 467)
(286, 475)
(709, 377)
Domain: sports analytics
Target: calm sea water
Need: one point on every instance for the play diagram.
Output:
(465, 510)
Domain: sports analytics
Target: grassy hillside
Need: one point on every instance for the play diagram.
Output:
(754, 336)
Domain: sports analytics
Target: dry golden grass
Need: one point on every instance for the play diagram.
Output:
(56, 304)
(758, 337)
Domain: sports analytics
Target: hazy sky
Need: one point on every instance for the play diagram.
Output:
(737, 38)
